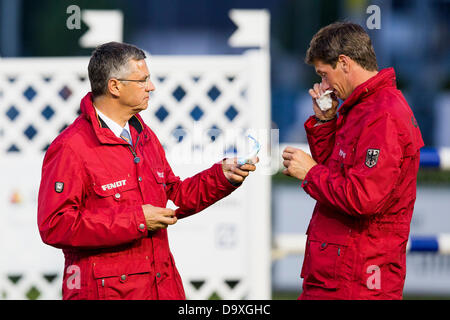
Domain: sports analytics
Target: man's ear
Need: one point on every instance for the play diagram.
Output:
(114, 86)
(344, 62)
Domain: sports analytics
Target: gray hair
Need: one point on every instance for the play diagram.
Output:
(110, 60)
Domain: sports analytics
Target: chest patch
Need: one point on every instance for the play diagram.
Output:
(114, 185)
(372, 157)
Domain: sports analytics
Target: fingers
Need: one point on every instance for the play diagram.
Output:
(161, 222)
(313, 94)
(167, 217)
(290, 150)
(318, 89)
(236, 178)
(166, 212)
(254, 160)
(287, 155)
(245, 167)
(248, 166)
(242, 173)
(168, 220)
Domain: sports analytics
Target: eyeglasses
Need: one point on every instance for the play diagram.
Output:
(145, 82)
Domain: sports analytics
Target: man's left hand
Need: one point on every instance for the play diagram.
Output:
(235, 173)
(297, 163)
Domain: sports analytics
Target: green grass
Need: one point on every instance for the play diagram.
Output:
(433, 177)
(287, 295)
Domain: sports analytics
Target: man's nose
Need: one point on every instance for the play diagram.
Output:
(150, 86)
(325, 85)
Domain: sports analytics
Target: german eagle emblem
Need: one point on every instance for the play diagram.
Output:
(372, 157)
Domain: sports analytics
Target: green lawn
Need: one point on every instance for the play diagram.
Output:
(285, 295)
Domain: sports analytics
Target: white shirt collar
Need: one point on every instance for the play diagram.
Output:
(114, 126)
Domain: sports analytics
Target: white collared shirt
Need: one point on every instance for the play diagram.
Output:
(114, 126)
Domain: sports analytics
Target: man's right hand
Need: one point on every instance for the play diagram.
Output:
(158, 218)
(317, 90)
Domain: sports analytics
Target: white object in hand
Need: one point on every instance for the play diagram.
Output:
(324, 101)
(254, 151)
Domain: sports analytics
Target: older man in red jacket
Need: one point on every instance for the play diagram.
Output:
(362, 173)
(105, 184)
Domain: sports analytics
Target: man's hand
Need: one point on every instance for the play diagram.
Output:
(158, 218)
(297, 163)
(315, 93)
(235, 173)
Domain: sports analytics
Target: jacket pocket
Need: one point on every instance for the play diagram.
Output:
(322, 263)
(121, 190)
(160, 196)
(159, 175)
(125, 279)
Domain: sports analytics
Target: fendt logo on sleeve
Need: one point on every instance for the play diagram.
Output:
(114, 185)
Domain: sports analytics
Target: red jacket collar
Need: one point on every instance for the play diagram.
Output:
(384, 78)
(104, 134)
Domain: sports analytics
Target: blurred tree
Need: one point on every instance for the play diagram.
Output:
(44, 30)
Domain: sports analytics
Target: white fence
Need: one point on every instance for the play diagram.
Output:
(223, 252)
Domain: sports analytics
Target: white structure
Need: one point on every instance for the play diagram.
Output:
(222, 252)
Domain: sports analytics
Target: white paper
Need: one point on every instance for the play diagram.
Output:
(324, 101)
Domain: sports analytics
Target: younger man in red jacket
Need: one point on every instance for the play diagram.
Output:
(105, 184)
(362, 172)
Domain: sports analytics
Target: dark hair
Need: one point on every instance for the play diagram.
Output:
(110, 60)
(345, 38)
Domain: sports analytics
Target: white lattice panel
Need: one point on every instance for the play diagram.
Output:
(212, 100)
(39, 97)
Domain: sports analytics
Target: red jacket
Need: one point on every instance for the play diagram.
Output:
(365, 187)
(90, 205)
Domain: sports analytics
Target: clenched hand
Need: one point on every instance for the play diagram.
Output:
(158, 218)
(315, 92)
(297, 163)
(235, 173)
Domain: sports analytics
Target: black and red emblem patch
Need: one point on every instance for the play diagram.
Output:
(372, 157)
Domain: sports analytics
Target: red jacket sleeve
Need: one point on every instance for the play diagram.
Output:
(361, 190)
(198, 192)
(62, 220)
(320, 138)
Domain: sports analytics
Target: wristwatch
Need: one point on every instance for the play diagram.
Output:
(324, 121)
